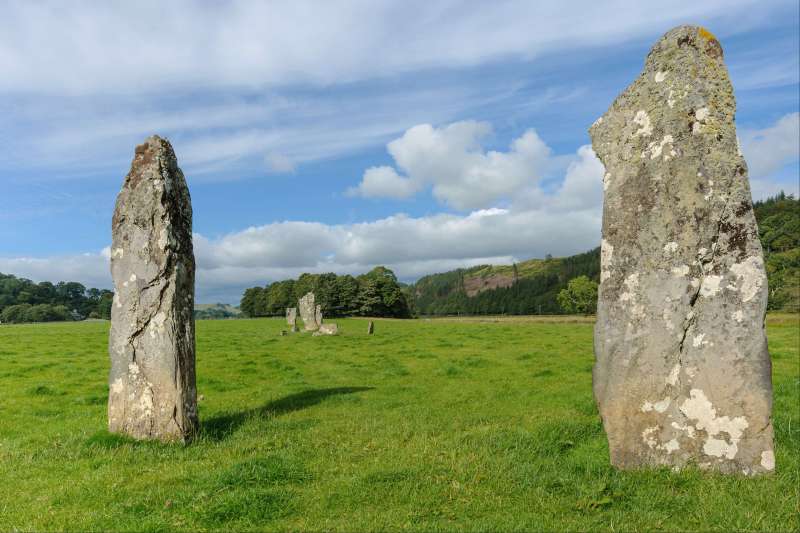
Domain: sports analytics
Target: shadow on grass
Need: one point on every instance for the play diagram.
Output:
(220, 427)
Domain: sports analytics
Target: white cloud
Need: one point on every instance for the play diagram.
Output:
(768, 150)
(101, 47)
(451, 160)
(383, 182)
(279, 163)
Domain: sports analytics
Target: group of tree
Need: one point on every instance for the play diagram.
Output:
(376, 293)
(22, 300)
(779, 228)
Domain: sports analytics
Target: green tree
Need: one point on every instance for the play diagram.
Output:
(580, 296)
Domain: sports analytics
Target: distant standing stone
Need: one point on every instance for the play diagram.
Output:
(370, 328)
(318, 315)
(308, 312)
(682, 372)
(152, 391)
(291, 316)
(327, 329)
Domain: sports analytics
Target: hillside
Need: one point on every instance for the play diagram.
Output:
(530, 287)
(527, 287)
(205, 311)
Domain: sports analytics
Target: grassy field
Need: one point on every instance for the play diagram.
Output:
(475, 425)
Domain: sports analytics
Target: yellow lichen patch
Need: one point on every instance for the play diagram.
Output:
(705, 34)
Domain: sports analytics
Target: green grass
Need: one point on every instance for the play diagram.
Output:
(428, 425)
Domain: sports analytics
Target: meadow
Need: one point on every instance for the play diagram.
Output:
(429, 425)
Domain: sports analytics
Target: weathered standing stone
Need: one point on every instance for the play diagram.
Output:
(291, 316)
(152, 346)
(318, 315)
(327, 329)
(682, 372)
(370, 328)
(308, 312)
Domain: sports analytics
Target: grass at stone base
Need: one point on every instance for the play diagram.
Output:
(427, 425)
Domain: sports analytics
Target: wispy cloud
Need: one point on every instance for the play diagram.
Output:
(90, 47)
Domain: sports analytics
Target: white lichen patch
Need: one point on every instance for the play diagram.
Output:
(768, 460)
(606, 257)
(738, 316)
(701, 114)
(631, 282)
(133, 369)
(672, 378)
(698, 340)
(642, 119)
(660, 76)
(710, 286)
(656, 148)
(597, 122)
(133, 278)
(689, 429)
(671, 247)
(671, 446)
(750, 276)
(118, 253)
(681, 271)
(666, 315)
(606, 180)
(157, 324)
(698, 407)
(118, 386)
(648, 436)
(671, 99)
(659, 406)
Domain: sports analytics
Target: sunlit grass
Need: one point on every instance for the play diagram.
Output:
(427, 425)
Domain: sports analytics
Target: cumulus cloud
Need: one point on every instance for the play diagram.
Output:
(384, 182)
(768, 150)
(451, 160)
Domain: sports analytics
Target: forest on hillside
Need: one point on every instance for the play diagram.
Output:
(536, 284)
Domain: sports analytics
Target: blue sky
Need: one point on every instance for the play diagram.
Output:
(334, 136)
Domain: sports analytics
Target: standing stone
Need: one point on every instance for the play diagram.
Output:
(152, 347)
(308, 312)
(327, 329)
(318, 315)
(291, 316)
(370, 328)
(682, 372)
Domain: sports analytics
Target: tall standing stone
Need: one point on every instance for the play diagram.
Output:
(291, 316)
(152, 345)
(682, 372)
(308, 312)
(318, 315)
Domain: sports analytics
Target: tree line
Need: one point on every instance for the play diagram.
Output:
(376, 293)
(22, 300)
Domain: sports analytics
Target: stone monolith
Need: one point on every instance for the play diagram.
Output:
(152, 392)
(308, 312)
(318, 315)
(682, 372)
(291, 316)
(327, 329)
(370, 328)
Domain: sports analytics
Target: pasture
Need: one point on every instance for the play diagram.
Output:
(441, 425)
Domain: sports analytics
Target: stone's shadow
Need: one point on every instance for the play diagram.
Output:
(222, 426)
